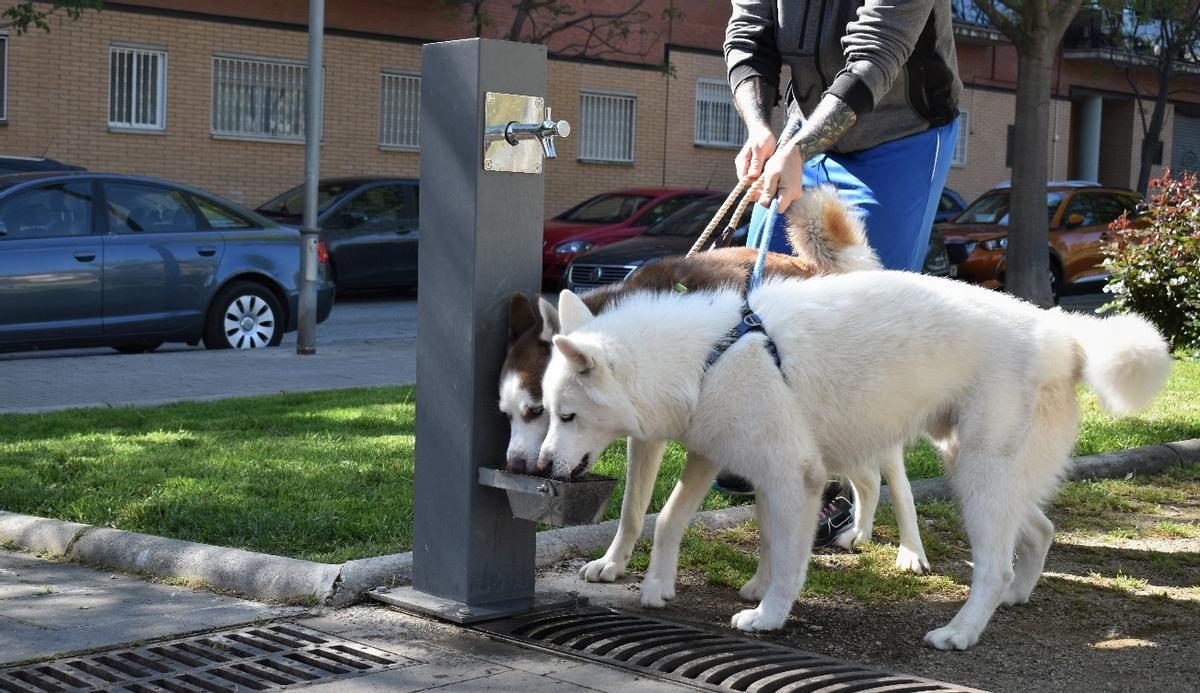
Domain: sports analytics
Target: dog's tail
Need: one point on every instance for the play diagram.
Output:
(1122, 358)
(828, 234)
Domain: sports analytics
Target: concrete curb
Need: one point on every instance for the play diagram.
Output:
(276, 578)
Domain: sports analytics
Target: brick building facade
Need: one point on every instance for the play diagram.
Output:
(210, 98)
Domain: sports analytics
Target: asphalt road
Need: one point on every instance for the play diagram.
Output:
(367, 341)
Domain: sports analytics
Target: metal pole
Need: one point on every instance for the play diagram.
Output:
(306, 342)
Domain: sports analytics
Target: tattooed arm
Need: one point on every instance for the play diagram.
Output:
(754, 99)
(829, 121)
(784, 174)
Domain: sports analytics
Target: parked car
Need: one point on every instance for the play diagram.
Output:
(674, 236)
(950, 205)
(27, 164)
(104, 259)
(1079, 214)
(370, 225)
(604, 219)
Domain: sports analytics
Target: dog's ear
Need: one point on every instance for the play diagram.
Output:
(549, 319)
(573, 312)
(577, 355)
(521, 317)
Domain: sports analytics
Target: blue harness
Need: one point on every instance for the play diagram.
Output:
(751, 323)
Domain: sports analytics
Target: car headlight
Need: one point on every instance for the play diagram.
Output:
(572, 247)
(994, 243)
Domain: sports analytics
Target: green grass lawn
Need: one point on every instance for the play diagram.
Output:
(328, 476)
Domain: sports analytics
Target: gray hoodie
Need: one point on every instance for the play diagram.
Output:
(891, 61)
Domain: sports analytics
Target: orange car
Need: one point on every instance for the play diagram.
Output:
(1079, 212)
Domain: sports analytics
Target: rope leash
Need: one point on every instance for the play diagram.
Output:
(789, 129)
(712, 225)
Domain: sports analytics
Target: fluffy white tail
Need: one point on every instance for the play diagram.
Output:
(1125, 359)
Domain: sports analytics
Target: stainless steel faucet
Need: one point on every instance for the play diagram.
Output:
(544, 131)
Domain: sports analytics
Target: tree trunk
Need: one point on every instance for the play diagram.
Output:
(1028, 272)
(1153, 132)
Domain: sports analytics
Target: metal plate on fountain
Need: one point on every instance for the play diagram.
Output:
(500, 110)
(553, 501)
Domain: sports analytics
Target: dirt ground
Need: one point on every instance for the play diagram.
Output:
(1118, 607)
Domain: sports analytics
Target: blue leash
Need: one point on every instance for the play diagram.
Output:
(764, 242)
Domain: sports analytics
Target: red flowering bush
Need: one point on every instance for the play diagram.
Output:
(1154, 258)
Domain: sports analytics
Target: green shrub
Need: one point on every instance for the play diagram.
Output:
(1154, 258)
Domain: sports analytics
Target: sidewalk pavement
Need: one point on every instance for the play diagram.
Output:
(50, 609)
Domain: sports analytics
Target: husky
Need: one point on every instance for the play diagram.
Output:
(829, 239)
(866, 361)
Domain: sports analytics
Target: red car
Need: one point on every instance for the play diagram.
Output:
(603, 219)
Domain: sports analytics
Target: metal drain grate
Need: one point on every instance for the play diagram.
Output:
(249, 659)
(698, 657)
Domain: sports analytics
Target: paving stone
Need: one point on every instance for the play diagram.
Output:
(521, 658)
(612, 680)
(436, 673)
(517, 682)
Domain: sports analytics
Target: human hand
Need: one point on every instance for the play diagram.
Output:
(760, 145)
(783, 176)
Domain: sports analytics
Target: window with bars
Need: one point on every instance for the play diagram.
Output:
(3, 77)
(606, 127)
(137, 80)
(258, 98)
(960, 143)
(717, 121)
(399, 110)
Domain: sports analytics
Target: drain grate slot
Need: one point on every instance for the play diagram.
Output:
(700, 658)
(249, 659)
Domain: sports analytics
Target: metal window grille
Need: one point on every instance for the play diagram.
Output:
(136, 88)
(960, 143)
(606, 127)
(399, 110)
(717, 121)
(4, 77)
(258, 98)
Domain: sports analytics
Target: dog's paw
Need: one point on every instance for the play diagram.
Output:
(1016, 595)
(950, 638)
(910, 561)
(602, 570)
(656, 593)
(756, 619)
(846, 540)
(754, 589)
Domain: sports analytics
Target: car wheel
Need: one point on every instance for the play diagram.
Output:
(1055, 281)
(244, 315)
(137, 347)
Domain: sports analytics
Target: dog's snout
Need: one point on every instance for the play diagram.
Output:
(544, 465)
(516, 464)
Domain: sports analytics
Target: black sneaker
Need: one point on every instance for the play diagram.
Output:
(836, 516)
(732, 485)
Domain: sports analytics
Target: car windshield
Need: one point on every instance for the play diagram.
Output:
(605, 209)
(993, 209)
(687, 222)
(290, 205)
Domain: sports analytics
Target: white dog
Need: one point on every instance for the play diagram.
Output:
(868, 361)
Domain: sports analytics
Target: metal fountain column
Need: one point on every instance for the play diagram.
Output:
(484, 133)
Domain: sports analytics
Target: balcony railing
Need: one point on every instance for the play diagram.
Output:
(972, 25)
(967, 12)
(1121, 38)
